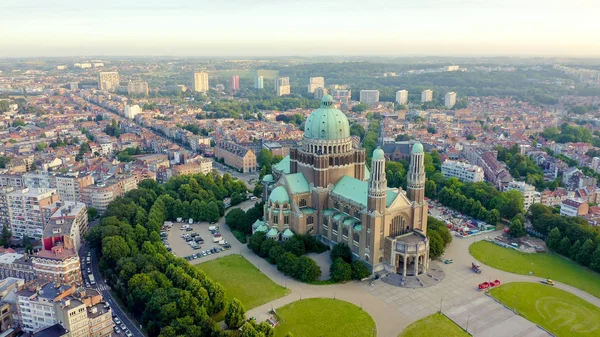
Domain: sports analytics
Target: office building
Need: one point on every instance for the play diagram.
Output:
(234, 83)
(108, 81)
(282, 86)
(27, 210)
(232, 154)
(314, 83)
(131, 111)
(259, 82)
(137, 88)
(463, 171)
(319, 93)
(200, 83)
(369, 96)
(402, 97)
(427, 95)
(337, 200)
(450, 100)
(530, 196)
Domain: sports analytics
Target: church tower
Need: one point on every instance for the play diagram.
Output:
(416, 175)
(377, 182)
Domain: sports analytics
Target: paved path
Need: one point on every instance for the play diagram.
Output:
(394, 308)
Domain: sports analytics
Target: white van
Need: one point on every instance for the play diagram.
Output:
(216, 239)
(191, 221)
(213, 228)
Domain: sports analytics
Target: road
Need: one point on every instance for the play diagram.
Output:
(103, 288)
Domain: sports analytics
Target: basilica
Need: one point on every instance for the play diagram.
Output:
(324, 188)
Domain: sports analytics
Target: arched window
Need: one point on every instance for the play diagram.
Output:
(310, 220)
(302, 202)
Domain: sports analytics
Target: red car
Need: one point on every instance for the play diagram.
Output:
(495, 283)
(484, 285)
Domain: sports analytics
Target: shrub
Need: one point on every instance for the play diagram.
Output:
(311, 244)
(359, 270)
(287, 263)
(294, 245)
(240, 236)
(342, 251)
(256, 240)
(275, 253)
(265, 248)
(308, 270)
(340, 270)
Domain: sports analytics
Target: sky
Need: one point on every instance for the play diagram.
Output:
(244, 28)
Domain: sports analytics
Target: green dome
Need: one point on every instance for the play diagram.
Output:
(378, 153)
(280, 195)
(268, 178)
(417, 148)
(327, 122)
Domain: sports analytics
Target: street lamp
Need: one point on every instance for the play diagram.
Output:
(467, 328)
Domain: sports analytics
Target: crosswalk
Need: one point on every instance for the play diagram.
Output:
(103, 287)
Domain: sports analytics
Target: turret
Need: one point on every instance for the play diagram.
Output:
(415, 180)
(377, 182)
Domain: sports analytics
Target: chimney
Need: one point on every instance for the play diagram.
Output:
(94, 310)
(67, 303)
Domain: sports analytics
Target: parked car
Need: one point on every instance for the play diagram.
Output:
(128, 333)
(123, 327)
(189, 229)
(117, 330)
(117, 320)
(194, 234)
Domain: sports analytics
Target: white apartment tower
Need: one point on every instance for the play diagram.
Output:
(26, 210)
(427, 96)
(108, 80)
(282, 86)
(462, 171)
(369, 96)
(450, 100)
(259, 82)
(314, 83)
(131, 111)
(200, 82)
(402, 96)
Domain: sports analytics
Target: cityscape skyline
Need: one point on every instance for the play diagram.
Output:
(308, 28)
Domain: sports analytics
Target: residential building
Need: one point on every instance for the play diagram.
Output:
(553, 198)
(69, 186)
(27, 212)
(234, 83)
(323, 188)
(451, 68)
(595, 164)
(200, 83)
(73, 316)
(493, 170)
(369, 96)
(259, 82)
(402, 97)
(450, 100)
(35, 305)
(236, 156)
(69, 219)
(4, 216)
(426, 96)
(574, 207)
(198, 142)
(530, 196)
(55, 330)
(108, 80)
(16, 265)
(37, 180)
(282, 86)
(12, 180)
(319, 93)
(342, 95)
(137, 88)
(104, 192)
(58, 261)
(463, 171)
(314, 83)
(9, 318)
(131, 111)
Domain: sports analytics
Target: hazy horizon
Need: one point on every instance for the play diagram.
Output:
(263, 28)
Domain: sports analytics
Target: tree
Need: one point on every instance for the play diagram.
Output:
(307, 270)
(436, 244)
(234, 317)
(342, 251)
(5, 236)
(584, 256)
(553, 239)
(92, 213)
(114, 248)
(564, 246)
(360, 107)
(294, 245)
(289, 334)
(275, 253)
(266, 247)
(256, 240)
(287, 263)
(595, 263)
(574, 250)
(264, 158)
(340, 270)
(516, 229)
(359, 270)
(430, 189)
(357, 130)
(236, 219)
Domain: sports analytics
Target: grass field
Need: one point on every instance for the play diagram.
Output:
(547, 265)
(432, 326)
(316, 317)
(558, 311)
(243, 281)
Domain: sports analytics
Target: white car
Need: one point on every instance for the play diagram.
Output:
(128, 333)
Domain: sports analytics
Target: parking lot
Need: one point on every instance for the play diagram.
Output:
(198, 243)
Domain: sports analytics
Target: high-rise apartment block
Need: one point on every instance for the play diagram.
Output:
(402, 96)
(314, 83)
(103, 193)
(131, 111)
(108, 80)
(369, 96)
(282, 86)
(137, 88)
(27, 210)
(234, 83)
(450, 100)
(462, 171)
(319, 93)
(341, 95)
(530, 196)
(200, 82)
(259, 82)
(427, 95)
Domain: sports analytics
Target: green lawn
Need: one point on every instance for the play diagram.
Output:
(558, 311)
(316, 317)
(547, 265)
(243, 281)
(432, 326)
